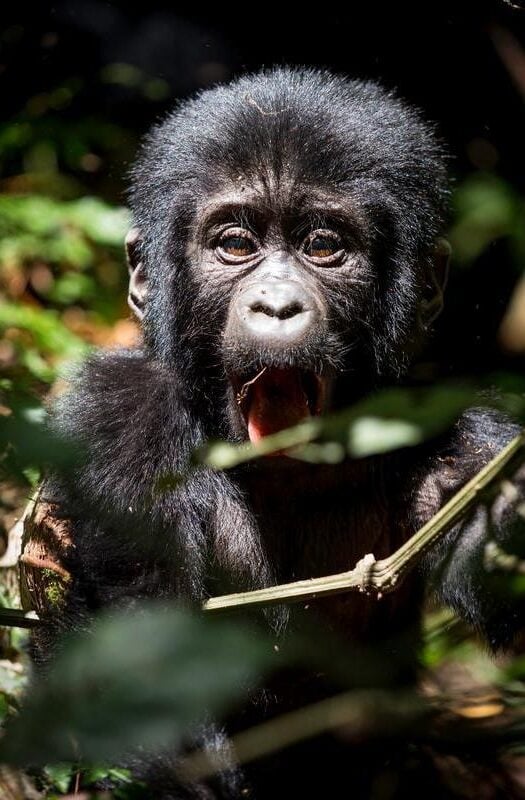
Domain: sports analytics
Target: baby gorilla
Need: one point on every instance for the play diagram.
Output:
(285, 260)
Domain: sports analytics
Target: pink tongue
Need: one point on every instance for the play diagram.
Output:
(277, 402)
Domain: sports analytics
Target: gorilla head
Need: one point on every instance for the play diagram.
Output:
(286, 231)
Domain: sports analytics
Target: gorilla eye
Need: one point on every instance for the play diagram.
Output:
(237, 243)
(323, 245)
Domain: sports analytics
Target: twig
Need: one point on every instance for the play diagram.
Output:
(360, 713)
(18, 618)
(354, 710)
(242, 393)
(368, 575)
(385, 575)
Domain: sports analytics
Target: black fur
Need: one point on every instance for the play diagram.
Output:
(290, 135)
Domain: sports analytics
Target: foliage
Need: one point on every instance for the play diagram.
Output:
(144, 679)
(59, 779)
(149, 676)
(389, 420)
(486, 209)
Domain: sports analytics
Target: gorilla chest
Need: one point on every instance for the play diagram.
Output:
(317, 520)
(321, 522)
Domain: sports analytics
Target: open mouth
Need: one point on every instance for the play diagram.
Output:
(276, 399)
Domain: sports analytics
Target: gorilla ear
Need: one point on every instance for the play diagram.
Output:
(138, 283)
(437, 277)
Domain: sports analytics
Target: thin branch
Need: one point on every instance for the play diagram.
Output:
(355, 710)
(460, 725)
(368, 575)
(18, 618)
(385, 575)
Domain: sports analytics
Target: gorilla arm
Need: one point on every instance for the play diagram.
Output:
(459, 567)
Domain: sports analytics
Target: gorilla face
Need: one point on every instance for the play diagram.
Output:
(291, 270)
(286, 254)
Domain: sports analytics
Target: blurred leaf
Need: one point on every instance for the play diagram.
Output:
(443, 634)
(486, 209)
(146, 679)
(516, 669)
(370, 435)
(100, 772)
(13, 680)
(223, 455)
(27, 445)
(101, 222)
(48, 333)
(59, 776)
(62, 776)
(123, 74)
(72, 288)
(52, 227)
(4, 708)
(386, 421)
(67, 140)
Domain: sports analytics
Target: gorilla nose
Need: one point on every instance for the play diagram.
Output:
(277, 308)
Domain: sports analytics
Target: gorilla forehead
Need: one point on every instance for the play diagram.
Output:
(303, 127)
(279, 197)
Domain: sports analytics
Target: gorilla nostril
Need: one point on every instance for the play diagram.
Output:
(262, 308)
(290, 311)
(284, 312)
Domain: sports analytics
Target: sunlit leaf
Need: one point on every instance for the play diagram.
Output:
(71, 288)
(386, 421)
(101, 222)
(55, 228)
(49, 333)
(370, 435)
(59, 776)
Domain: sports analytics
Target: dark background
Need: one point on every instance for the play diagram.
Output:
(462, 63)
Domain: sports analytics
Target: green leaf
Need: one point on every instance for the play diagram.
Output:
(59, 776)
(371, 435)
(27, 445)
(486, 209)
(71, 288)
(142, 679)
(101, 222)
(47, 217)
(94, 773)
(4, 707)
(49, 333)
(385, 421)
